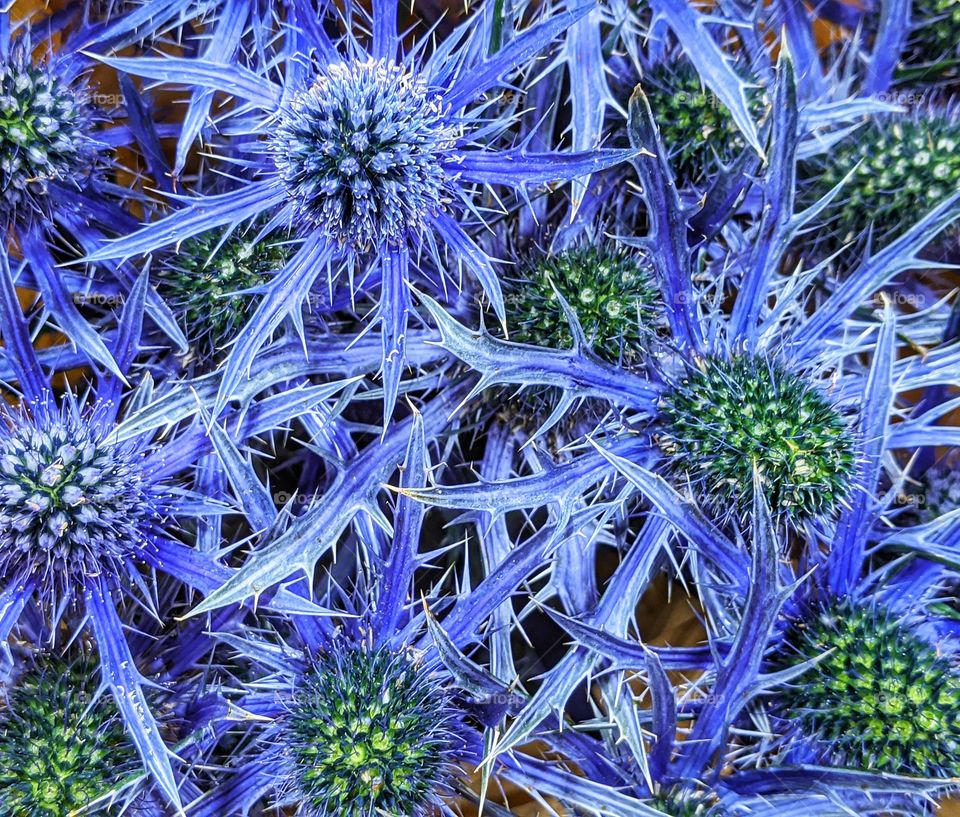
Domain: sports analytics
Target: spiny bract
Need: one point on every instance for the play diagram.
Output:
(900, 166)
(880, 698)
(612, 293)
(71, 503)
(45, 133)
(727, 417)
(696, 128)
(201, 280)
(369, 733)
(360, 152)
(59, 751)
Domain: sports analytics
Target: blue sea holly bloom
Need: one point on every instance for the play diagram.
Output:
(201, 280)
(785, 395)
(880, 696)
(726, 418)
(369, 731)
(372, 154)
(93, 509)
(72, 504)
(46, 132)
(379, 707)
(56, 175)
(893, 165)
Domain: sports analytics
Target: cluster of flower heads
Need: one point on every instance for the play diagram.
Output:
(379, 379)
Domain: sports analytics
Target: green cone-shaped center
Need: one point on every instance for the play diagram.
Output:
(200, 284)
(726, 418)
(881, 698)
(368, 733)
(900, 169)
(611, 292)
(56, 755)
(696, 128)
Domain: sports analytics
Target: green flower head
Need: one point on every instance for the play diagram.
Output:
(881, 698)
(727, 417)
(696, 128)
(59, 748)
(899, 166)
(612, 293)
(201, 281)
(935, 34)
(368, 732)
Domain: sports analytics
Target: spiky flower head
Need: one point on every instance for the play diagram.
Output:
(696, 128)
(72, 504)
(900, 165)
(46, 123)
(60, 747)
(935, 34)
(611, 291)
(881, 697)
(360, 152)
(726, 417)
(369, 732)
(688, 803)
(200, 283)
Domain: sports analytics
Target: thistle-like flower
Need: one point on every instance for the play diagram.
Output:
(72, 504)
(612, 293)
(61, 746)
(361, 153)
(369, 732)
(880, 697)
(898, 165)
(46, 132)
(686, 803)
(371, 153)
(934, 34)
(201, 281)
(725, 419)
(696, 128)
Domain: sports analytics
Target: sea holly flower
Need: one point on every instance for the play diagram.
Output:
(610, 290)
(72, 503)
(89, 508)
(781, 348)
(201, 280)
(377, 707)
(369, 731)
(55, 167)
(931, 48)
(724, 420)
(696, 128)
(371, 156)
(46, 132)
(879, 697)
(892, 166)
(681, 803)
(61, 747)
